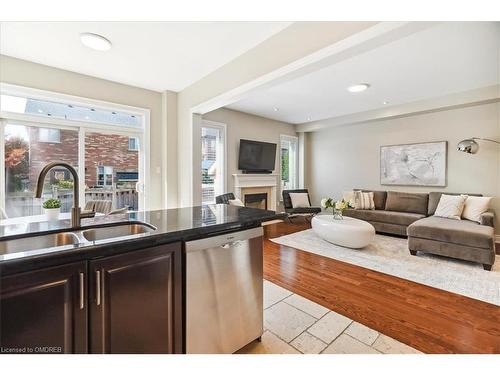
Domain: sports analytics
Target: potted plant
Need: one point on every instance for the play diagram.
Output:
(52, 208)
(337, 206)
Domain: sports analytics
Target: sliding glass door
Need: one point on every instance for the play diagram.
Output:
(104, 145)
(213, 165)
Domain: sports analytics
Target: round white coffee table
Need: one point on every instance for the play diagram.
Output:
(347, 232)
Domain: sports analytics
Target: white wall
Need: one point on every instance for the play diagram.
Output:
(245, 126)
(348, 157)
(29, 74)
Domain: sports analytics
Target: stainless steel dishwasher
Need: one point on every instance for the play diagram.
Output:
(224, 302)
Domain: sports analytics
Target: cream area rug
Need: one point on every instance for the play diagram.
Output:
(390, 255)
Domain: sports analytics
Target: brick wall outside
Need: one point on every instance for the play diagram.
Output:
(100, 150)
(42, 153)
(110, 151)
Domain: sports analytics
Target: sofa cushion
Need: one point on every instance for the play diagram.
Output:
(461, 232)
(435, 196)
(363, 201)
(390, 217)
(407, 202)
(379, 198)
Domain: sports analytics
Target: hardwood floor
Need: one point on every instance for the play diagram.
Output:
(428, 319)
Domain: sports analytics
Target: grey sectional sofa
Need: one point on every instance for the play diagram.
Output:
(411, 214)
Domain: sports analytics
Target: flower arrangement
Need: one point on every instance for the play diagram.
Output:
(337, 206)
(52, 203)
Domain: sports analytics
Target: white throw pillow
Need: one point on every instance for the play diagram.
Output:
(451, 206)
(348, 196)
(236, 202)
(363, 201)
(299, 200)
(475, 207)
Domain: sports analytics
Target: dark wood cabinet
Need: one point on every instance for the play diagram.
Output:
(135, 302)
(133, 305)
(45, 311)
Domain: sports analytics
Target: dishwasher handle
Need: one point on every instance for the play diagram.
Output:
(225, 241)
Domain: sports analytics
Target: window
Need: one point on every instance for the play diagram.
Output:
(102, 143)
(25, 156)
(289, 162)
(48, 135)
(212, 161)
(104, 176)
(67, 111)
(133, 144)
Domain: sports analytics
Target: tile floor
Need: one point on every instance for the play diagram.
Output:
(295, 325)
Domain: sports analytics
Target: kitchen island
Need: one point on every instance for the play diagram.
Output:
(115, 285)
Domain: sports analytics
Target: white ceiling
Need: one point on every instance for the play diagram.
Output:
(154, 55)
(447, 58)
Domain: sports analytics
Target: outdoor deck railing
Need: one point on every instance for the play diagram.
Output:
(24, 203)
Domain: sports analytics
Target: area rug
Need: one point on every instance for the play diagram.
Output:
(390, 255)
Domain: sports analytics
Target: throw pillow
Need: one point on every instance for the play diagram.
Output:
(475, 207)
(236, 202)
(300, 200)
(451, 206)
(363, 200)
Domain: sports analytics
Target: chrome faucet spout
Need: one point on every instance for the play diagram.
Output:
(75, 210)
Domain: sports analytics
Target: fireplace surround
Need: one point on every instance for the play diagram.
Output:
(257, 185)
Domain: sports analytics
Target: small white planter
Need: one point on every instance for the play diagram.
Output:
(52, 213)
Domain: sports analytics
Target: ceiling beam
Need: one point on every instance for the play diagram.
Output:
(469, 98)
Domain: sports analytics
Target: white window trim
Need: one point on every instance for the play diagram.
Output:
(290, 138)
(143, 132)
(223, 127)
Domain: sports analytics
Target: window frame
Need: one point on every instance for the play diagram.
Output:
(142, 133)
(295, 139)
(223, 128)
(136, 143)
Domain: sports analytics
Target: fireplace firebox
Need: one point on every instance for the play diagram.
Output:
(257, 200)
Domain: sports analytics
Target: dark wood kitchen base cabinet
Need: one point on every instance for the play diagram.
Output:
(133, 305)
(136, 302)
(44, 311)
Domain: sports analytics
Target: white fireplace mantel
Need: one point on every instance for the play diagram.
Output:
(270, 181)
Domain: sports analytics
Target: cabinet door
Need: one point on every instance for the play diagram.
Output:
(136, 302)
(44, 311)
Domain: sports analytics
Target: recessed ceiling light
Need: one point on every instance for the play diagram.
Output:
(309, 118)
(276, 109)
(87, 117)
(40, 111)
(385, 102)
(358, 88)
(94, 41)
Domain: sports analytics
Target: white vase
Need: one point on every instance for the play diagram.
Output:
(52, 213)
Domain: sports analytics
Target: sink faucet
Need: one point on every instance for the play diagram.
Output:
(75, 210)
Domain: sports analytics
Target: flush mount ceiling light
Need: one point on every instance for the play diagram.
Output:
(276, 109)
(358, 88)
(95, 41)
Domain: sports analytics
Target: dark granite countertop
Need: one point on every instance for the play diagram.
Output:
(179, 224)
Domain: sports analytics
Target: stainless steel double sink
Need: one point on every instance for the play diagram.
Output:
(82, 236)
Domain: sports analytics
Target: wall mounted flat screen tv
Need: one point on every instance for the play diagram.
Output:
(256, 157)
